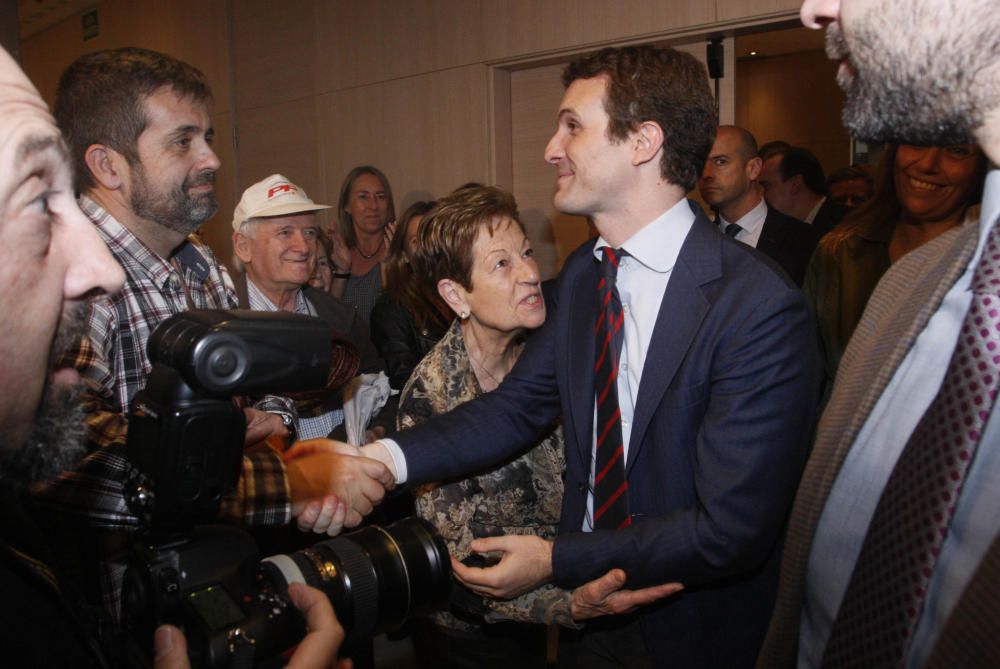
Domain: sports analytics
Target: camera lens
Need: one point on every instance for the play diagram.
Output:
(376, 578)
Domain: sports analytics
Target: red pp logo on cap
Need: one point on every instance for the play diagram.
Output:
(280, 188)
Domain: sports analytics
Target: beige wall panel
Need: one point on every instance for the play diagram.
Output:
(216, 231)
(535, 98)
(280, 138)
(359, 43)
(503, 168)
(519, 27)
(794, 98)
(274, 49)
(738, 9)
(192, 30)
(429, 134)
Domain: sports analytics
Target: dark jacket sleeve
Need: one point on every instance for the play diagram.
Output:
(398, 340)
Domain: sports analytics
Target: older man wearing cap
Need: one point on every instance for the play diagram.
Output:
(274, 238)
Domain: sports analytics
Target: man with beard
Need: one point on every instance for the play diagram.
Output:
(140, 135)
(51, 262)
(892, 555)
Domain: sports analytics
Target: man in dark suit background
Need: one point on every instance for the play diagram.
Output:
(794, 184)
(717, 383)
(893, 549)
(729, 184)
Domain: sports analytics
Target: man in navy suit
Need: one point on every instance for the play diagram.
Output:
(729, 184)
(717, 383)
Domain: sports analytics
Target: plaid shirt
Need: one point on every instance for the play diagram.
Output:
(113, 361)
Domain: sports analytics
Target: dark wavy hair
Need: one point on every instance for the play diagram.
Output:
(798, 160)
(659, 84)
(101, 98)
(401, 283)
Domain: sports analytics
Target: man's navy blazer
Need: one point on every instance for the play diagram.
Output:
(720, 435)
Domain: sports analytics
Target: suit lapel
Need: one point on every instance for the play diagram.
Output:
(579, 351)
(682, 311)
(771, 235)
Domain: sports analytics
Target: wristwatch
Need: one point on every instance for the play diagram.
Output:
(289, 423)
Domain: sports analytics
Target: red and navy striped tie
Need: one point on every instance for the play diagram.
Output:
(610, 487)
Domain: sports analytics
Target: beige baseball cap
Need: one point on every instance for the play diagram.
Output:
(274, 196)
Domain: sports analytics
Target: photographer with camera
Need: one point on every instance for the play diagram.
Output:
(51, 263)
(139, 128)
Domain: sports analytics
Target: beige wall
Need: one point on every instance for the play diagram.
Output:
(421, 88)
(794, 98)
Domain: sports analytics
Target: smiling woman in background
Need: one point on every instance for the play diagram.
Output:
(922, 192)
(366, 213)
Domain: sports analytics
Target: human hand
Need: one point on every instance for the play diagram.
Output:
(263, 427)
(605, 597)
(323, 632)
(323, 516)
(340, 254)
(320, 467)
(526, 564)
(389, 230)
(376, 450)
(317, 650)
(169, 648)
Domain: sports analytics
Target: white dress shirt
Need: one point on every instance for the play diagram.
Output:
(751, 224)
(855, 494)
(642, 281)
(811, 216)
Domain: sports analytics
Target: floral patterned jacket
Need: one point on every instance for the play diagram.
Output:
(523, 496)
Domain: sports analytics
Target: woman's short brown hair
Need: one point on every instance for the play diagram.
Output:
(449, 231)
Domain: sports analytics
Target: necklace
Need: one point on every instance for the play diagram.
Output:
(483, 368)
(378, 248)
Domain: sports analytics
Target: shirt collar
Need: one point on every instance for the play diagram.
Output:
(815, 210)
(125, 244)
(658, 243)
(750, 221)
(260, 302)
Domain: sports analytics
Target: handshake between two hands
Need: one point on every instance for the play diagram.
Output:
(334, 485)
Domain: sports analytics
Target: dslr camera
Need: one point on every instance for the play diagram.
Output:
(185, 447)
